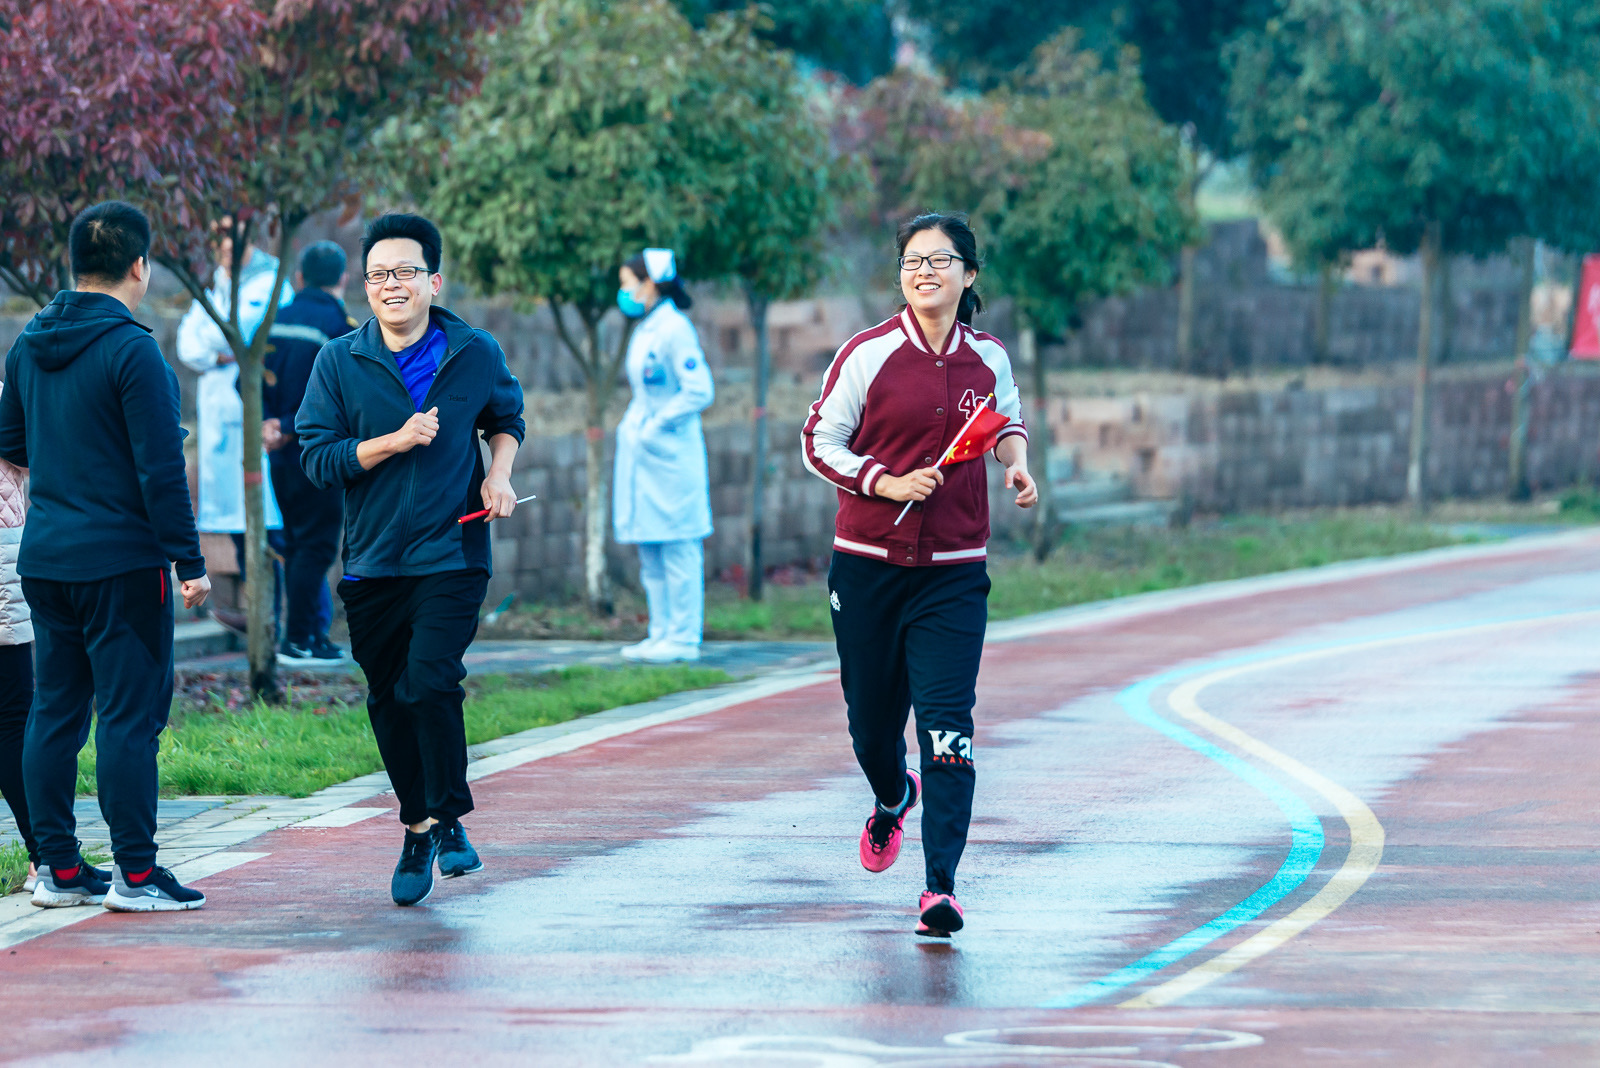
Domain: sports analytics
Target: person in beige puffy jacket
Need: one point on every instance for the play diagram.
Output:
(16, 653)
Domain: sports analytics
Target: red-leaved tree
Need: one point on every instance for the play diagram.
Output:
(101, 103)
(282, 131)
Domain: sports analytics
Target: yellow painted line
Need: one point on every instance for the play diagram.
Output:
(1366, 833)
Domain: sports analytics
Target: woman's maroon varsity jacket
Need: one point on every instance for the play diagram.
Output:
(890, 405)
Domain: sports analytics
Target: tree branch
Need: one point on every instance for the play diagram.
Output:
(21, 286)
(590, 370)
(202, 296)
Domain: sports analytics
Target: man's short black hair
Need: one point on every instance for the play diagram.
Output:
(107, 240)
(404, 225)
(322, 264)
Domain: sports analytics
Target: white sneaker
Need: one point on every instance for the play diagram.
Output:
(668, 652)
(31, 881)
(639, 650)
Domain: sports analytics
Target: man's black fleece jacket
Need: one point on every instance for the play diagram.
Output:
(91, 409)
(400, 518)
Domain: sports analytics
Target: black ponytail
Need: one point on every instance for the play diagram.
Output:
(673, 288)
(953, 225)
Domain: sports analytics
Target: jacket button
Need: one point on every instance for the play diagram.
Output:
(927, 459)
(938, 363)
(911, 559)
(938, 411)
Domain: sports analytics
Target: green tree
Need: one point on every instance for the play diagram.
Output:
(1181, 45)
(595, 136)
(1439, 127)
(776, 208)
(1101, 208)
(1092, 200)
(852, 37)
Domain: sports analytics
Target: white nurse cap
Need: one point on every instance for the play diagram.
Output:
(660, 265)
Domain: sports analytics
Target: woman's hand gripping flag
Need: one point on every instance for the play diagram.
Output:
(976, 437)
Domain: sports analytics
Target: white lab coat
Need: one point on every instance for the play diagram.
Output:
(218, 408)
(660, 490)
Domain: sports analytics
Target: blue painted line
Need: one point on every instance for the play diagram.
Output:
(1306, 834)
(1305, 849)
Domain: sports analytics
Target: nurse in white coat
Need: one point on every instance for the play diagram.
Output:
(220, 412)
(661, 497)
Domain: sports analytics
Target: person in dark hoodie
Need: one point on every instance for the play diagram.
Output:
(91, 409)
(392, 414)
(311, 515)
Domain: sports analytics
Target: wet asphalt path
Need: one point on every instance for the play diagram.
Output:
(1319, 824)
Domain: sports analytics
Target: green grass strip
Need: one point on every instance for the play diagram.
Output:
(1094, 565)
(297, 749)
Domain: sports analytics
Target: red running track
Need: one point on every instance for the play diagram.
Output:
(689, 893)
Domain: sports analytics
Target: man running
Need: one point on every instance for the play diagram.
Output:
(392, 414)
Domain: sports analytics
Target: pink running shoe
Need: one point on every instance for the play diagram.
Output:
(941, 915)
(880, 838)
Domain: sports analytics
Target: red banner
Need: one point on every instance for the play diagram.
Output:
(1586, 316)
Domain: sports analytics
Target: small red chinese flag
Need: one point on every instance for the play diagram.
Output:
(977, 437)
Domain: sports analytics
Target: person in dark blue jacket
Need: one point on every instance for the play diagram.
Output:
(91, 409)
(393, 414)
(311, 514)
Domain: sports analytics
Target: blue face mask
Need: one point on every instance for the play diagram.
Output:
(630, 307)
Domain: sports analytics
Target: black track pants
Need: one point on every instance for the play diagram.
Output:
(409, 635)
(311, 520)
(16, 697)
(110, 643)
(912, 637)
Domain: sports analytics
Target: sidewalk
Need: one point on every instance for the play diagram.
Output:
(197, 834)
(739, 658)
(190, 827)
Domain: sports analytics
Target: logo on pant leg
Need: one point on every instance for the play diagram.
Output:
(833, 599)
(950, 747)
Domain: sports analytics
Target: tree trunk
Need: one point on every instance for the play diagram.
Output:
(758, 462)
(1186, 260)
(1044, 526)
(1327, 283)
(1517, 487)
(261, 643)
(1444, 348)
(1416, 487)
(1577, 298)
(597, 497)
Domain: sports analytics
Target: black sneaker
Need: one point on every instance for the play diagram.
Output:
(51, 891)
(456, 855)
(158, 891)
(327, 652)
(292, 653)
(413, 876)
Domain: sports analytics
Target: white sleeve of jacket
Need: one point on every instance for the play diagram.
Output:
(1007, 397)
(835, 417)
(688, 362)
(200, 340)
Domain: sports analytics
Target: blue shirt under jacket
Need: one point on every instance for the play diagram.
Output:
(400, 518)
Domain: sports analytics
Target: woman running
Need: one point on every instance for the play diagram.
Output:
(910, 596)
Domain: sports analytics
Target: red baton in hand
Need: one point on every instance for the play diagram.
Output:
(480, 515)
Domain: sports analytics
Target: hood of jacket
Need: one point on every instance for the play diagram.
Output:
(71, 324)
